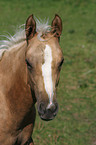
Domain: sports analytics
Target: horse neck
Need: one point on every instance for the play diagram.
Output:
(15, 89)
(13, 67)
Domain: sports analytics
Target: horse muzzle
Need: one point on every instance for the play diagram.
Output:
(47, 113)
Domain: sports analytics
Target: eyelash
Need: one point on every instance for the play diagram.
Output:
(61, 63)
(28, 64)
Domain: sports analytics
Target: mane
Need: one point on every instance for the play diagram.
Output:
(42, 27)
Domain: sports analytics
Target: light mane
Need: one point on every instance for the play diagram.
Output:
(20, 36)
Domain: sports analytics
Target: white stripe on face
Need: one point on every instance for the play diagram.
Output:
(47, 73)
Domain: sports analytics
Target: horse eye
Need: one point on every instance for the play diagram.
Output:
(28, 64)
(60, 64)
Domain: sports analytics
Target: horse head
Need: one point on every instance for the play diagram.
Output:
(44, 59)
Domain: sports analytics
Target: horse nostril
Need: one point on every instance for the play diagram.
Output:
(53, 109)
(49, 112)
(41, 109)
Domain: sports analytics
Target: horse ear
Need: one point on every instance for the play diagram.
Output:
(30, 27)
(57, 26)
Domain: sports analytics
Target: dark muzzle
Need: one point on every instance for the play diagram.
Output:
(47, 113)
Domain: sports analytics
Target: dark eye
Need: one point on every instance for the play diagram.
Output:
(60, 64)
(28, 64)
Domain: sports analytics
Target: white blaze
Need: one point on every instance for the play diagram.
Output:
(47, 73)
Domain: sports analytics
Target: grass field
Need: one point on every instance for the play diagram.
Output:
(75, 123)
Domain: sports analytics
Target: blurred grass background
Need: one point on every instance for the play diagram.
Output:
(75, 123)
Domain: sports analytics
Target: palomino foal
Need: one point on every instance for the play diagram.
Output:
(30, 66)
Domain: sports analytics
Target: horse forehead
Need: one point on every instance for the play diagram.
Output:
(37, 48)
(47, 51)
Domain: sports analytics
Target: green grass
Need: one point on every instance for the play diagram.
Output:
(75, 123)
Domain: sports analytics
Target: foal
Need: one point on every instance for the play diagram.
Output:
(30, 64)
